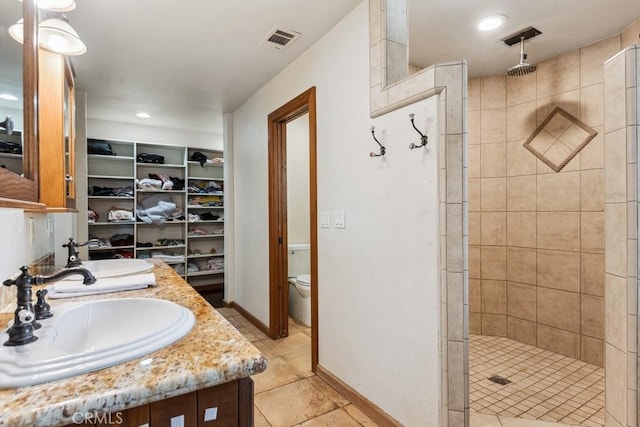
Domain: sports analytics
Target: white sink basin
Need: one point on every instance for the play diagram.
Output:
(114, 267)
(83, 337)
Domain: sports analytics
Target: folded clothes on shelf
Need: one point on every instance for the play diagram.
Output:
(117, 214)
(208, 200)
(206, 187)
(208, 216)
(96, 242)
(199, 157)
(121, 239)
(112, 191)
(215, 264)
(99, 146)
(149, 184)
(112, 254)
(197, 231)
(169, 258)
(155, 208)
(92, 216)
(169, 242)
(150, 158)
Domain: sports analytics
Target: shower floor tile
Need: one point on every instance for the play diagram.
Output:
(544, 385)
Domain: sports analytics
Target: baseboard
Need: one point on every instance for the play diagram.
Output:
(365, 405)
(250, 317)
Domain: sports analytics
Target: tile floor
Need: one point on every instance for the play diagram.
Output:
(288, 393)
(545, 385)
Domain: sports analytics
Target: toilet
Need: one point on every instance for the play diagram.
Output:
(299, 282)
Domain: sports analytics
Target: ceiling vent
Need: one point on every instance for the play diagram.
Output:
(280, 39)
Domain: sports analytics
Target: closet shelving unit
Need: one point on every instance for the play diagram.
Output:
(207, 249)
(173, 166)
(115, 171)
(201, 242)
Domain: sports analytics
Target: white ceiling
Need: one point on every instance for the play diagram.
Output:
(189, 62)
(445, 30)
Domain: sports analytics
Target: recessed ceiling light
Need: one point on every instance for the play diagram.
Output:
(143, 115)
(8, 97)
(491, 22)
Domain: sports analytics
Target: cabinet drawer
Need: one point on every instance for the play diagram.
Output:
(162, 412)
(218, 406)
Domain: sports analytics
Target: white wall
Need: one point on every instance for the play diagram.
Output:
(102, 129)
(298, 180)
(378, 278)
(26, 237)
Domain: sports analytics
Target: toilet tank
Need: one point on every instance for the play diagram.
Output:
(298, 259)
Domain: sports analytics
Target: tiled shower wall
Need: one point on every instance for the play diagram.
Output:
(536, 237)
(621, 124)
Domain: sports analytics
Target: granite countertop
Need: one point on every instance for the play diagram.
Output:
(212, 353)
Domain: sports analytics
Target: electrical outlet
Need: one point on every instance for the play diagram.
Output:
(31, 225)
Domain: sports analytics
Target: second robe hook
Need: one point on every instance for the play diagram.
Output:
(423, 138)
(382, 148)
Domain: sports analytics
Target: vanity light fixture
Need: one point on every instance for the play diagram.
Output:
(423, 138)
(56, 5)
(382, 147)
(8, 97)
(58, 36)
(492, 22)
(143, 115)
(54, 32)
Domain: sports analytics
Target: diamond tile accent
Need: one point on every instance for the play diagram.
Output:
(559, 138)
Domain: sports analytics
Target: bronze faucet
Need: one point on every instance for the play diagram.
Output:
(73, 256)
(24, 319)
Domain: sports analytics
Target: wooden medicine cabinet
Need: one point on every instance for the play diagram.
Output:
(56, 117)
(48, 145)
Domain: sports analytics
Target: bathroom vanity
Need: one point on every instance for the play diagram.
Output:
(200, 380)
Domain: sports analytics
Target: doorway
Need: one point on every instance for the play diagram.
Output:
(304, 103)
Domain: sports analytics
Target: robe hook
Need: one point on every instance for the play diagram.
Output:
(382, 148)
(423, 138)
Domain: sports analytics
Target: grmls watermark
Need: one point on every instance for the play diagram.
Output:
(112, 418)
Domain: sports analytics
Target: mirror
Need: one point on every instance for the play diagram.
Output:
(69, 132)
(10, 90)
(21, 191)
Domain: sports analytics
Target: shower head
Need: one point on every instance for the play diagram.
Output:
(522, 68)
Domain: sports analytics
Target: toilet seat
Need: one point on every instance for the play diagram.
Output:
(304, 280)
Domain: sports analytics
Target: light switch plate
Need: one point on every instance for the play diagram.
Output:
(339, 219)
(325, 219)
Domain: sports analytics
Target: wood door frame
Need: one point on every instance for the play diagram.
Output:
(278, 287)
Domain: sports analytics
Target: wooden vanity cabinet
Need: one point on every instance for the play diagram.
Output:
(225, 405)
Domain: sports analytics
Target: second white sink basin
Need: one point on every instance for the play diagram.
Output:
(86, 336)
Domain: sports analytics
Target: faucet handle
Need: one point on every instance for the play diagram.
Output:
(42, 309)
(22, 279)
